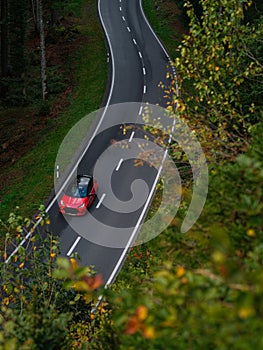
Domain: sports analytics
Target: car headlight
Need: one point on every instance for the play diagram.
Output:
(62, 203)
(82, 205)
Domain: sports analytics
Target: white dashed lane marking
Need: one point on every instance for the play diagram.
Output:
(101, 200)
(73, 246)
(131, 137)
(119, 164)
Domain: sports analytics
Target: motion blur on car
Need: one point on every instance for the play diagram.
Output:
(79, 196)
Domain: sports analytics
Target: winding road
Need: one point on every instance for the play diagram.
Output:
(137, 64)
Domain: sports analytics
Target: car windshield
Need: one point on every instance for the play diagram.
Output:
(77, 191)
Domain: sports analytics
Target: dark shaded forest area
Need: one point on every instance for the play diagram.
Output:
(26, 28)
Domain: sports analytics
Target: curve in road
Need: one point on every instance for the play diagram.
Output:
(139, 63)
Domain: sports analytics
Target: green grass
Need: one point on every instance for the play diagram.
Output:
(162, 21)
(31, 178)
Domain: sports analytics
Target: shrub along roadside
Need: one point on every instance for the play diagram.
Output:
(45, 300)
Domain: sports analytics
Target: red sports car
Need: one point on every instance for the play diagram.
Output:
(79, 196)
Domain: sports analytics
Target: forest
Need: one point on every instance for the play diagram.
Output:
(199, 290)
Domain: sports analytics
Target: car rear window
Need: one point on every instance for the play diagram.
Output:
(77, 191)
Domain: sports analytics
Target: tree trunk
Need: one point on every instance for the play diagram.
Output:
(34, 13)
(43, 51)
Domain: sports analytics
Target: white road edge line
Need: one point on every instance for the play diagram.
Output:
(158, 40)
(119, 164)
(131, 137)
(90, 141)
(16, 249)
(134, 232)
(101, 200)
(156, 37)
(73, 246)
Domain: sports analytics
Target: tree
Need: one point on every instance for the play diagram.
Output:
(42, 49)
(15, 26)
(214, 67)
(38, 18)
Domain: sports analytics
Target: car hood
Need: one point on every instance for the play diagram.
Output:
(72, 202)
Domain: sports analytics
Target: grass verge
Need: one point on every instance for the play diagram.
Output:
(167, 23)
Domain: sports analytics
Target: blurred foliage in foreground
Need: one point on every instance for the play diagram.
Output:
(46, 301)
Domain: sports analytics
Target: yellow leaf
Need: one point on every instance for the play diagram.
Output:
(141, 312)
(149, 332)
(6, 301)
(251, 233)
(246, 312)
(180, 271)
(73, 263)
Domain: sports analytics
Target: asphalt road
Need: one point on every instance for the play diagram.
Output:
(137, 63)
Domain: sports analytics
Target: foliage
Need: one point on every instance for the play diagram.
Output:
(219, 70)
(45, 301)
(201, 290)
